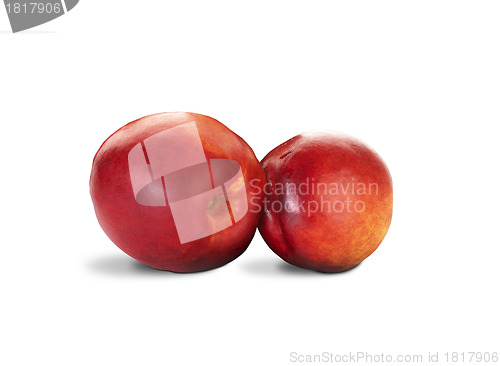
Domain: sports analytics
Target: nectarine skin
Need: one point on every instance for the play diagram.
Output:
(142, 168)
(329, 201)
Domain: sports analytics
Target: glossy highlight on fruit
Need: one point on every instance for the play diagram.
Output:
(329, 201)
(178, 191)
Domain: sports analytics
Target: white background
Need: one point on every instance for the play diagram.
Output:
(419, 81)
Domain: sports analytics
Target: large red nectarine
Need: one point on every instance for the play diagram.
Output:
(173, 191)
(329, 201)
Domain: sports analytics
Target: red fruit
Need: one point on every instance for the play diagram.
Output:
(329, 201)
(178, 191)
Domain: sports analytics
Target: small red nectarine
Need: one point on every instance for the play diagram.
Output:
(329, 201)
